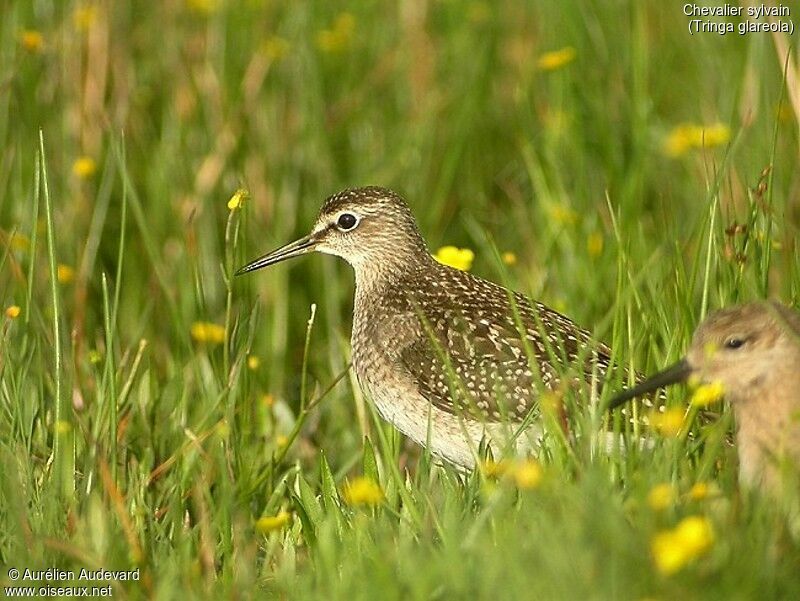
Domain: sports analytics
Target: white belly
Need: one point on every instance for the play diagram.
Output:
(449, 437)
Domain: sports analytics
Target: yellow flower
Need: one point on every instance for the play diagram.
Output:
(509, 258)
(594, 244)
(271, 523)
(275, 48)
(674, 549)
(339, 36)
(460, 258)
(253, 362)
(527, 474)
(268, 399)
(362, 491)
(65, 274)
(701, 491)
(687, 136)
(495, 469)
(679, 141)
(550, 61)
(668, 554)
(238, 198)
(84, 17)
(95, 357)
(668, 423)
(661, 496)
(562, 214)
(13, 311)
(206, 331)
(707, 394)
(84, 167)
(695, 533)
(281, 440)
(714, 135)
(31, 40)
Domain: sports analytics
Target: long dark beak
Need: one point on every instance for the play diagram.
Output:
(293, 249)
(678, 372)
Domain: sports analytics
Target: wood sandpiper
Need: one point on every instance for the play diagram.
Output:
(753, 351)
(449, 358)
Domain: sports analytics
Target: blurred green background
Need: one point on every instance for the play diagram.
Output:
(634, 176)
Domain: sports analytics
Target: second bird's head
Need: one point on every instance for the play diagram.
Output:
(362, 225)
(743, 348)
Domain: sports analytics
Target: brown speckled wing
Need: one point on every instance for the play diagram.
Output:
(476, 350)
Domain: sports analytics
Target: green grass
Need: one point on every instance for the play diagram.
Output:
(125, 443)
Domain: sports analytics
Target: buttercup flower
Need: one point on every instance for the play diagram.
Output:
(523, 473)
(206, 331)
(460, 258)
(271, 523)
(527, 474)
(84, 167)
(668, 423)
(64, 274)
(550, 61)
(687, 136)
(706, 394)
(661, 496)
(495, 469)
(31, 40)
(674, 549)
(701, 491)
(237, 200)
(362, 491)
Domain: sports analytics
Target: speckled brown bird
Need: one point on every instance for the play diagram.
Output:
(449, 358)
(753, 350)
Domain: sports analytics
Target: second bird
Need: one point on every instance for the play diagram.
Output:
(449, 358)
(753, 352)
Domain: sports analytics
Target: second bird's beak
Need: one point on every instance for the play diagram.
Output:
(299, 247)
(677, 372)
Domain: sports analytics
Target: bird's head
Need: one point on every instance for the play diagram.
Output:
(742, 348)
(365, 226)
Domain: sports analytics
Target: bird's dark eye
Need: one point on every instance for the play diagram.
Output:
(347, 221)
(734, 342)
